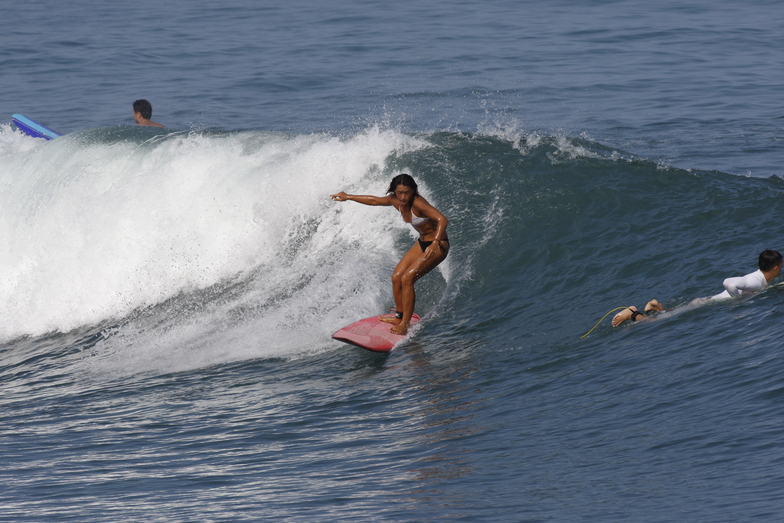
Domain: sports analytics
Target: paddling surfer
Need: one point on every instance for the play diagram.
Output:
(430, 250)
(770, 263)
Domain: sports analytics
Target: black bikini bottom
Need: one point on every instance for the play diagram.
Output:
(424, 245)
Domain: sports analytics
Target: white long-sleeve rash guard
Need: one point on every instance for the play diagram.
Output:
(741, 285)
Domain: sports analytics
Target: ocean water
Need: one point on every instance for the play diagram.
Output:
(168, 295)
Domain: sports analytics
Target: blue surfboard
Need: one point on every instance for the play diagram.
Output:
(33, 128)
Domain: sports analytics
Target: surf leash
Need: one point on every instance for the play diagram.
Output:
(603, 317)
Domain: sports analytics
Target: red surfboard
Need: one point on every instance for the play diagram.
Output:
(372, 333)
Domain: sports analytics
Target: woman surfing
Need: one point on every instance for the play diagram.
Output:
(430, 250)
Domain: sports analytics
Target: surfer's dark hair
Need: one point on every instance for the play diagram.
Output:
(769, 259)
(144, 107)
(403, 179)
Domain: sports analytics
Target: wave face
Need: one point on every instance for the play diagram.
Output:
(232, 236)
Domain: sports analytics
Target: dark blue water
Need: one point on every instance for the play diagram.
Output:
(168, 296)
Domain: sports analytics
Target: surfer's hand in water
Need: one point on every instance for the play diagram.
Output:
(339, 197)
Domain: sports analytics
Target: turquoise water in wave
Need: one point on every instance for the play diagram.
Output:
(168, 296)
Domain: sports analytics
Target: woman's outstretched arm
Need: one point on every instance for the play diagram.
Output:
(362, 198)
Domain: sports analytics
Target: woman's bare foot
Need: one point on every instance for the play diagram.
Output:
(624, 315)
(394, 320)
(401, 328)
(654, 305)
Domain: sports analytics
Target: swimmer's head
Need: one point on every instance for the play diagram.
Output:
(769, 259)
(144, 108)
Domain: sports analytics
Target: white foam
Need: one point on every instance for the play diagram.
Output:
(152, 236)
(13, 141)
